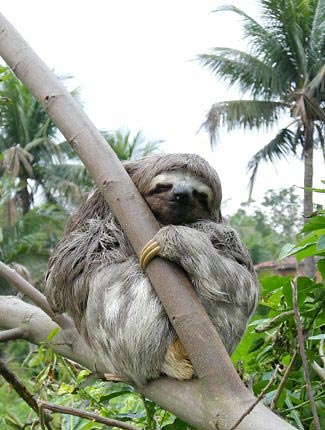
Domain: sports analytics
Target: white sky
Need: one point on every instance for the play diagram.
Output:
(134, 63)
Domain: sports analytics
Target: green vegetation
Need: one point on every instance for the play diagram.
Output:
(270, 226)
(271, 339)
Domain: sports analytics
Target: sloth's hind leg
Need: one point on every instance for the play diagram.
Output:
(177, 363)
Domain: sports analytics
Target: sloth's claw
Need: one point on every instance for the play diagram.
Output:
(149, 251)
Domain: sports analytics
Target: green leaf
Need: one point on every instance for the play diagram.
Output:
(82, 375)
(321, 243)
(53, 333)
(314, 223)
(286, 250)
(111, 396)
(256, 344)
(176, 425)
(65, 389)
(316, 190)
(272, 283)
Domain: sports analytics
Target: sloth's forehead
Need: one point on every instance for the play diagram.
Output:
(182, 179)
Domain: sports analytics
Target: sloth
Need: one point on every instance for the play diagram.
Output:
(95, 276)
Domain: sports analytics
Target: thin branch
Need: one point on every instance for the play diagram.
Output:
(12, 334)
(283, 381)
(22, 391)
(301, 343)
(319, 370)
(36, 296)
(257, 400)
(83, 414)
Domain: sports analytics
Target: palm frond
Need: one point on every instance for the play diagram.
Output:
(280, 147)
(35, 232)
(247, 71)
(242, 113)
(266, 43)
(317, 35)
(127, 147)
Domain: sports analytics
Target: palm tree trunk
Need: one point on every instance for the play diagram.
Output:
(25, 198)
(308, 183)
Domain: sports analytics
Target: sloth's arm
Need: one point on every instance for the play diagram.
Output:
(215, 269)
(196, 250)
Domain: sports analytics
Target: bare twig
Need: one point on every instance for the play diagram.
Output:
(36, 296)
(88, 415)
(12, 334)
(22, 390)
(301, 342)
(257, 400)
(317, 368)
(283, 381)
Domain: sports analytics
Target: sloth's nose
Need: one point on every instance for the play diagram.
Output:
(181, 194)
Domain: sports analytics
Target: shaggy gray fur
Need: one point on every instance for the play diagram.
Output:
(95, 276)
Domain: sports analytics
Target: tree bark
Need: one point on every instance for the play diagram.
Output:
(25, 198)
(310, 267)
(219, 388)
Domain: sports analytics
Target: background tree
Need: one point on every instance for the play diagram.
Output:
(33, 163)
(266, 228)
(285, 74)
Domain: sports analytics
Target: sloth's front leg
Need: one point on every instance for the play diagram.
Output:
(190, 248)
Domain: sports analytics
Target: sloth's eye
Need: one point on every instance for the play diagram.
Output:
(160, 188)
(201, 197)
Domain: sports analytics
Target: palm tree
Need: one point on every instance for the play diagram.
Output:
(285, 74)
(31, 161)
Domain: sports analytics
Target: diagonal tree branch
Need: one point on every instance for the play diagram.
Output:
(36, 296)
(13, 334)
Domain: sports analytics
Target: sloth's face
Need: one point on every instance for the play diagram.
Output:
(179, 198)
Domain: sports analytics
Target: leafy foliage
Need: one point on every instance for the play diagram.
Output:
(271, 338)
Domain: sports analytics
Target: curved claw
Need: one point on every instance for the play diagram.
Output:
(149, 251)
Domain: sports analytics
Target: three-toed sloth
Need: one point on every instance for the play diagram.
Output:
(96, 277)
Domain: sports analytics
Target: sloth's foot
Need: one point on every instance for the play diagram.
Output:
(114, 378)
(149, 251)
(177, 363)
